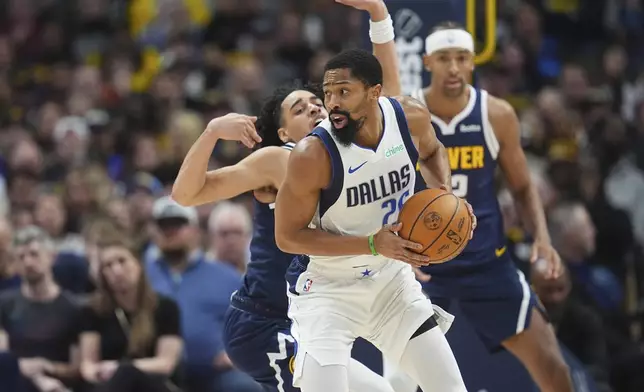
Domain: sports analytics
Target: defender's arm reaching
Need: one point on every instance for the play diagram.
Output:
(263, 168)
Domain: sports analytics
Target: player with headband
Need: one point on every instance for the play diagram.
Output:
(480, 132)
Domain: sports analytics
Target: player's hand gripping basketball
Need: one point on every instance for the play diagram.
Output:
(470, 210)
(234, 126)
(472, 217)
(389, 244)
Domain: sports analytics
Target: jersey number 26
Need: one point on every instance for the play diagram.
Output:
(391, 206)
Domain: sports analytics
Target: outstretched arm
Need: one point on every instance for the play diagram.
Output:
(432, 156)
(384, 45)
(196, 185)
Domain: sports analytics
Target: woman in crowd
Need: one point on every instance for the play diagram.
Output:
(131, 339)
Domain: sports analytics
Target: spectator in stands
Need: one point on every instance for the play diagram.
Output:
(142, 190)
(50, 214)
(39, 322)
(93, 231)
(131, 335)
(230, 229)
(573, 235)
(577, 326)
(202, 289)
(8, 277)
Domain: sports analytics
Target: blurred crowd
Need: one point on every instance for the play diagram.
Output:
(100, 101)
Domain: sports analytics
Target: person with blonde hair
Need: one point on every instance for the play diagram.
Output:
(131, 337)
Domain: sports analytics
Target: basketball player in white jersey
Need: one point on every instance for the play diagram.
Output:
(481, 132)
(256, 333)
(350, 179)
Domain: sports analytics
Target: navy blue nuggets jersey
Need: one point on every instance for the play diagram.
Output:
(472, 149)
(264, 281)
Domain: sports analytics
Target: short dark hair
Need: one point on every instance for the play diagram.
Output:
(363, 65)
(270, 117)
(448, 25)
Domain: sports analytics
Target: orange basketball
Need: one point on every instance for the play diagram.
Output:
(439, 221)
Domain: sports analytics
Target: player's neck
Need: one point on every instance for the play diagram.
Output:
(371, 132)
(445, 107)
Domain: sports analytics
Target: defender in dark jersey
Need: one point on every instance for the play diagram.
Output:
(480, 131)
(257, 332)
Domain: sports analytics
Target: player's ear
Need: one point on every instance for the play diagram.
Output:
(375, 91)
(426, 63)
(283, 135)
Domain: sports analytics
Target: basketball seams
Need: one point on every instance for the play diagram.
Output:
(456, 251)
(446, 226)
(420, 215)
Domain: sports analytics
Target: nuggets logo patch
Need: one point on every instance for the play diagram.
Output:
(291, 365)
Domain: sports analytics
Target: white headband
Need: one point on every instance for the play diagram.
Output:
(449, 39)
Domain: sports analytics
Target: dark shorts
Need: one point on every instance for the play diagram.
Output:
(261, 347)
(495, 297)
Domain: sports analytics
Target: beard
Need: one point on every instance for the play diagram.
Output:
(348, 132)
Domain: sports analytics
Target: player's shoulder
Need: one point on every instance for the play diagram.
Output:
(310, 150)
(499, 109)
(411, 105)
(310, 160)
(416, 113)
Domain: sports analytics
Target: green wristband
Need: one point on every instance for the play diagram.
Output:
(372, 246)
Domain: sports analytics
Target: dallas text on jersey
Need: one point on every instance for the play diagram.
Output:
(379, 188)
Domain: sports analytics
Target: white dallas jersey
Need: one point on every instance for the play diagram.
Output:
(368, 187)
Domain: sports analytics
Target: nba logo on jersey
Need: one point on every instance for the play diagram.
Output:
(307, 285)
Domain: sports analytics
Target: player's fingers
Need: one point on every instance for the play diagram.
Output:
(247, 142)
(411, 245)
(396, 227)
(415, 257)
(253, 119)
(556, 266)
(252, 132)
(534, 255)
(410, 261)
